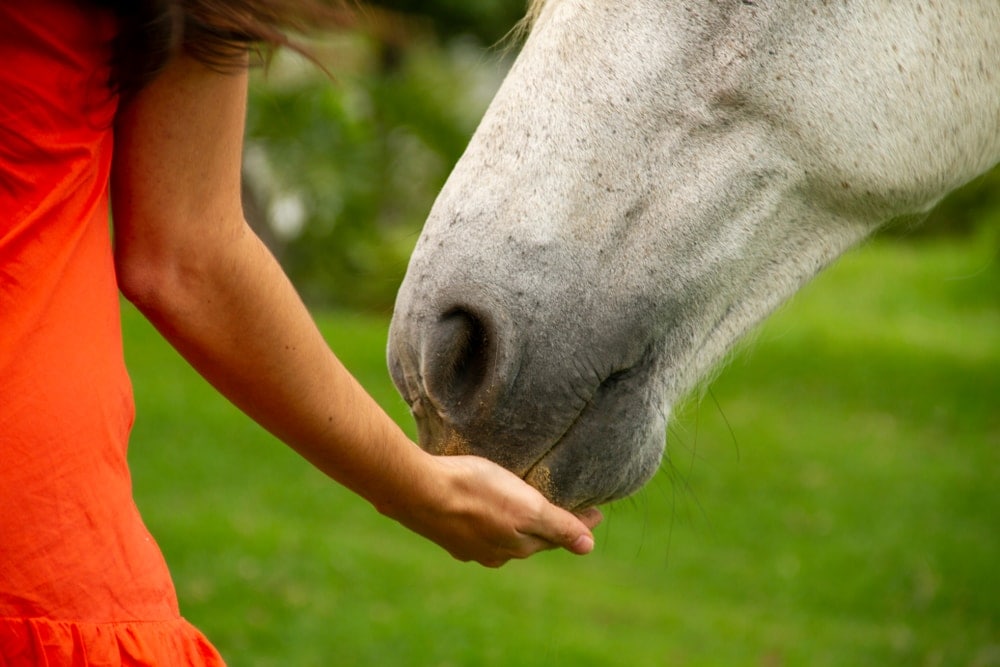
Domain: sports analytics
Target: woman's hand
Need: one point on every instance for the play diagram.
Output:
(481, 512)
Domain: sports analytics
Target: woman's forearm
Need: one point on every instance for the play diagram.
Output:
(239, 322)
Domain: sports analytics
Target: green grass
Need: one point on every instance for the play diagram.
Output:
(833, 501)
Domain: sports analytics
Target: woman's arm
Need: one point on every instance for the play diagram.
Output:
(187, 259)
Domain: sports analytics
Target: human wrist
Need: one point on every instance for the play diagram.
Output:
(418, 484)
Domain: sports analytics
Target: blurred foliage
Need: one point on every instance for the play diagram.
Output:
(486, 20)
(342, 169)
(343, 174)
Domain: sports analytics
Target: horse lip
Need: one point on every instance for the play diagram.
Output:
(562, 437)
(538, 474)
(541, 475)
(536, 470)
(534, 465)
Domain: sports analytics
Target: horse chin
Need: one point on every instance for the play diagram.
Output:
(611, 449)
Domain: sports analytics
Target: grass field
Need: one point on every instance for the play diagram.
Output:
(834, 500)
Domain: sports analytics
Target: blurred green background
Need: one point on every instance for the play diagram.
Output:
(832, 499)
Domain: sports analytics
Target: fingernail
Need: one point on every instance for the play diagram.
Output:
(583, 545)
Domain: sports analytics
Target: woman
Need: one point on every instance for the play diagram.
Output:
(150, 99)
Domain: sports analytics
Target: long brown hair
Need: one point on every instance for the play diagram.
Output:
(216, 32)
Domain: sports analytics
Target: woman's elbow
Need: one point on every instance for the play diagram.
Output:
(166, 274)
(156, 278)
(141, 280)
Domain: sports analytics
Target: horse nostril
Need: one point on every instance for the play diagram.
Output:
(459, 353)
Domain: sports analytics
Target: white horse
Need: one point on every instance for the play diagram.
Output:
(650, 181)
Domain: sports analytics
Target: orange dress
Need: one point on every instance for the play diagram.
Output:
(81, 580)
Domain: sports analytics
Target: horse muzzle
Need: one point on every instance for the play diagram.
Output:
(481, 381)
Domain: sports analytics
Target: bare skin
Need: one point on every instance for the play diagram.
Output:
(188, 260)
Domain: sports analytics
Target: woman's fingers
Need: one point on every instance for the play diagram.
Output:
(557, 530)
(591, 517)
(563, 529)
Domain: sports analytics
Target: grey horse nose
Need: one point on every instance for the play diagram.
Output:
(459, 351)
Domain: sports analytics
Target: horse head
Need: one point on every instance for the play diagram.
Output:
(651, 180)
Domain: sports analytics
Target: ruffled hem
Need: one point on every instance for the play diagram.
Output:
(39, 642)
